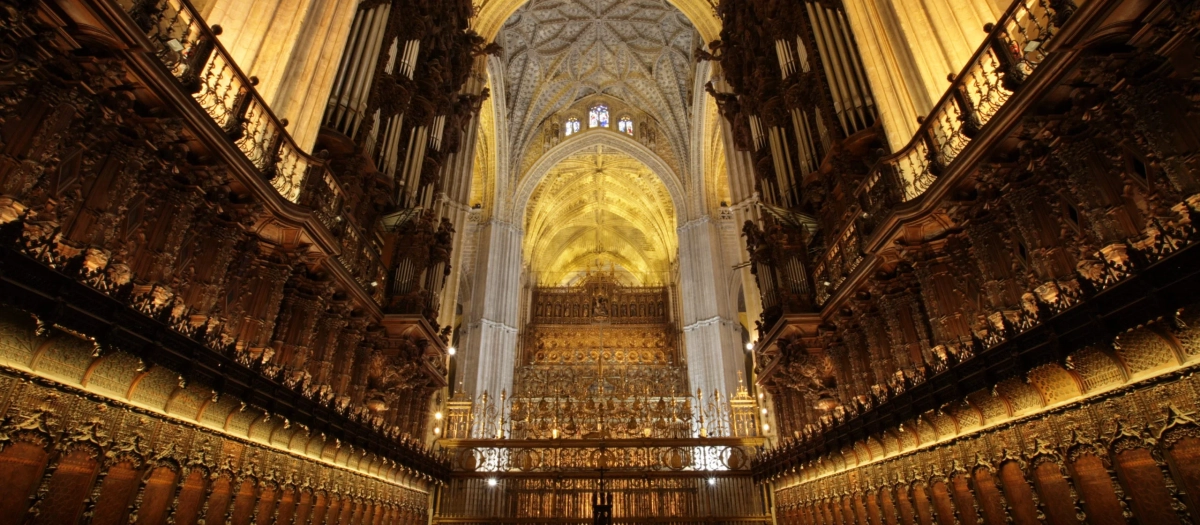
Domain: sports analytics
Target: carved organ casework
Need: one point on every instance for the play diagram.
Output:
(793, 90)
(230, 328)
(1002, 314)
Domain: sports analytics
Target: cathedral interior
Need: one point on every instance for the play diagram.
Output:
(759, 262)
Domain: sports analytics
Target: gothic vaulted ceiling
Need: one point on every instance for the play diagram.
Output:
(559, 51)
(600, 207)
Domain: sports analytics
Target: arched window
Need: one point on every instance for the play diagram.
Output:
(572, 126)
(625, 125)
(598, 116)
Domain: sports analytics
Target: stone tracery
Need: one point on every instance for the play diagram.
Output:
(559, 52)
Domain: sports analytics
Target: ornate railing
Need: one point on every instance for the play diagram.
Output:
(568, 418)
(1012, 51)
(839, 261)
(191, 52)
(562, 434)
(637, 456)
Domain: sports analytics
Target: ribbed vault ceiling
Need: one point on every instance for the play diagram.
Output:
(559, 51)
(600, 208)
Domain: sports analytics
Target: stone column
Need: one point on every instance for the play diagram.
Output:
(744, 207)
(489, 339)
(711, 333)
(454, 201)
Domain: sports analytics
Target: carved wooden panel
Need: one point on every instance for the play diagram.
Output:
(1018, 494)
(157, 496)
(991, 502)
(1096, 490)
(21, 468)
(964, 498)
(922, 507)
(904, 502)
(891, 510)
(942, 504)
(1143, 481)
(1055, 493)
(70, 486)
(219, 499)
(287, 505)
(320, 508)
(1184, 458)
(116, 494)
(191, 497)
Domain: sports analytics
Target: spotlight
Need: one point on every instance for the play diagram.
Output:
(712, 481)
(451, 351)
(438, 415)
(492, 482)
(766, 427)
(749, 346)
(437, 431)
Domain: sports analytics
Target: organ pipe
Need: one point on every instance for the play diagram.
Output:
(409, 62)
(843, 68)
(348, 100)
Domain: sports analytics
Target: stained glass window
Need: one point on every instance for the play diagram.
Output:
(572, 126)
(598, 116)
(625, 125)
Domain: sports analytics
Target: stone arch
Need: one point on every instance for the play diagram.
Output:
(863, 452)
(343, 455)
(298, 442)
(187, 402)
(239, 422)
(112, 374)
(875, 448)
(945, 425)
(993, 408)
(1187, 331)
(618, 141)
(281, 434)
(64, 358)
(891, 443)
(926, 433)
(18, 343)
(907, 436)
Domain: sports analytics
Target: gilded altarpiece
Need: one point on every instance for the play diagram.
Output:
(601, 392)
(600, 360)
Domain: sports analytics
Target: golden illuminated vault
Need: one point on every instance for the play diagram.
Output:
(600, 208)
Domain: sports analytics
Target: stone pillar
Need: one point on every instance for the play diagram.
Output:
(489, 339)
(454, 201)
(711, 333)
(744, 199)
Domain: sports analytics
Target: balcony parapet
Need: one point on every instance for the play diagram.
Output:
(950, 137)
